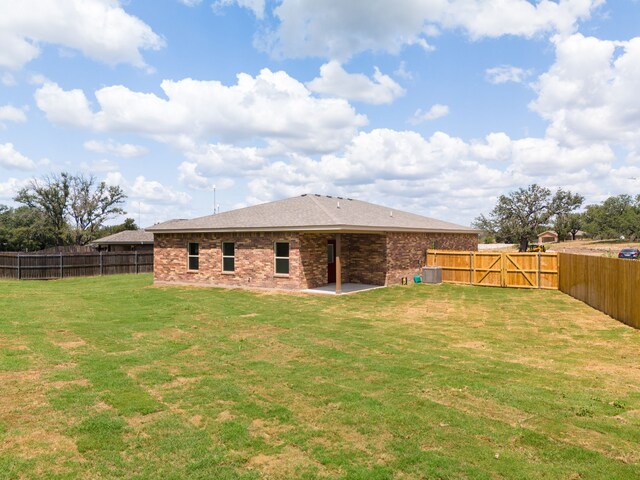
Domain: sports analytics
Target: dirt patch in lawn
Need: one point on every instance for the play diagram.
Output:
(289, 463)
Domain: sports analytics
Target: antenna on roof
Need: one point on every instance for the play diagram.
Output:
(214, 199)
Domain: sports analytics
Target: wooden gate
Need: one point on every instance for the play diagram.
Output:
(497, 269)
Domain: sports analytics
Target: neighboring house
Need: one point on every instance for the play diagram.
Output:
(126, 241)
(300, 243)
(548, 237)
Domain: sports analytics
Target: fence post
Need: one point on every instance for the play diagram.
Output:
(61, 266)
(19, 271)
(135, 260)
(470, 268)
(101, 262)
(539, 273)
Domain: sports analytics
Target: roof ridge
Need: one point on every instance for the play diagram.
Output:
(322, 207)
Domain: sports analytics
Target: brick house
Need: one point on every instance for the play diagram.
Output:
(126, 241)
(301, 243)
(548, 236)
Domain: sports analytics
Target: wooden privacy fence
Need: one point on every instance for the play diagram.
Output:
(24, 266)
(497, 269)
(610, 285)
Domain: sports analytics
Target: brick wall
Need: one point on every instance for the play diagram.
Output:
(254, 260)
(313, 258)
(405, 251)
(366, 260)
(375, 259)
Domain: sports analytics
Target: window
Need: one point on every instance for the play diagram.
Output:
(194, 256)
(228, 256)
(282, 258)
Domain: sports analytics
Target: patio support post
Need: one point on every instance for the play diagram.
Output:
(338, 264)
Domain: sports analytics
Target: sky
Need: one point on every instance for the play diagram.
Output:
(436, 107)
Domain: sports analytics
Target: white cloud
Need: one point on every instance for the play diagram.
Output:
(256, 6)
(402, 71)
(150, 191)
(496, 147)
(100, 29)
(64, 107)
(100, 166)
(9, 189)
(340, 29)
(441, 176)
(12, 159)
(335, 81)
(506, 73)
(590, 94)
(8, 80)
(190, 176)
(9, 113)
(124, 150)
(272, 107)
(436, 111)
(222, 159)
(190, 3)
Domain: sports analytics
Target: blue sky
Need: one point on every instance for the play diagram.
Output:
(432, 106)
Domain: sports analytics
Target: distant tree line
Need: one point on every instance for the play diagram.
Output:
(522, 215)
(616, 217)
(61, 209)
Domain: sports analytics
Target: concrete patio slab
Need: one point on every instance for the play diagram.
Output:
(347, 288)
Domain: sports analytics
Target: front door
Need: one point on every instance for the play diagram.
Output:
(331, 261)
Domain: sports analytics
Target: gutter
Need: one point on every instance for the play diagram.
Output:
(315, 229)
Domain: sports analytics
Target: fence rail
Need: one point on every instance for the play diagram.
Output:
(607, 284)
(24, 266)
(497, 269)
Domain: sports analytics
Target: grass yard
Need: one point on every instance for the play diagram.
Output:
(114, 378)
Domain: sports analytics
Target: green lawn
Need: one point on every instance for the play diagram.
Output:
(114, 378)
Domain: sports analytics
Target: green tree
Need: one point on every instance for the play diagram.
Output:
(24, 229)
(91, 204)
(50, 195)
(568, 225)
(75, 206)
(615, 217)
(517, 217)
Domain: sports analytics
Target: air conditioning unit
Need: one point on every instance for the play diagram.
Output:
(432, 275)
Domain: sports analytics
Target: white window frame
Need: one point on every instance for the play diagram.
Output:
(276, 258)
(190, 256)
(228, 256)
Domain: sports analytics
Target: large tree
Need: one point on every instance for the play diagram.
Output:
(92, 203)
(75, 206)
(24, 229)
(569, 224)
(616, 217)
(50, 195)
(517, 217)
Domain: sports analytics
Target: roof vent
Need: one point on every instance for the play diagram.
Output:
(391, 213)
(303, 195)
(338, 205)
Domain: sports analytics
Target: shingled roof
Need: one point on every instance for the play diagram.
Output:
(127, 237)
(312, 213)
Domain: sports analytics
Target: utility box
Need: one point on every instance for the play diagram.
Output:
(431, 274)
